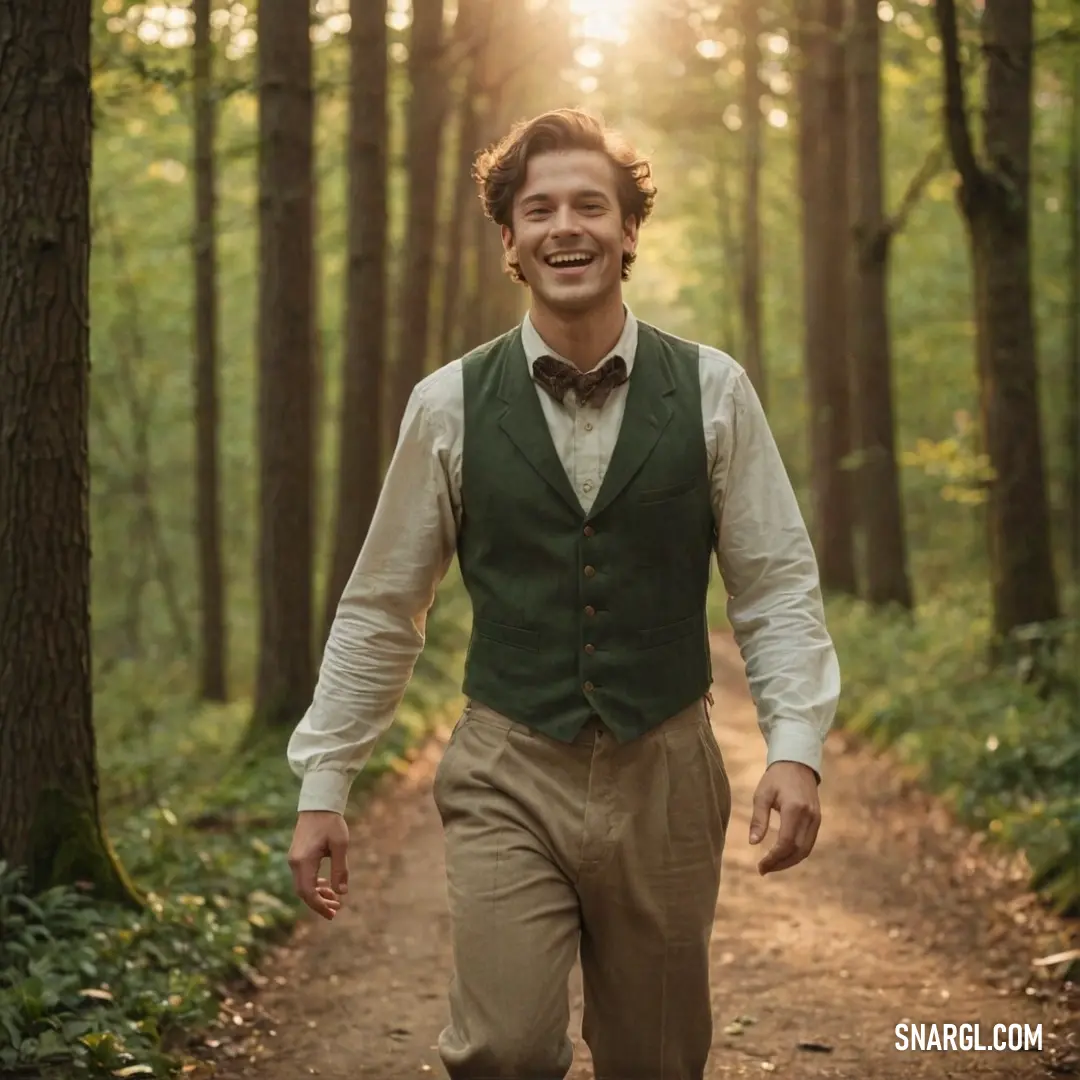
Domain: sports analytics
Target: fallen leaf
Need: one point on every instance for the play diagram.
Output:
(1057, 958)
(134, 1070)
(98, 995)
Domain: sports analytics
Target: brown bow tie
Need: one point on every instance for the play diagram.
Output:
(591, 387)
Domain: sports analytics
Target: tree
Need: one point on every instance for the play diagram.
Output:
(750, 285)
(1072, 404)
(212, 669)
(49, 818)
(877, 479)
(426, 118)
(994, 197)
(286, 669)
(359, 450)
(823, 197)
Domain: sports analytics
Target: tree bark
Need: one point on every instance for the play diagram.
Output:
(426, 116)
(359, 449)
(876, 478)
(472, 38)
(49, 816)
(212, 668)
(995, 199)
(1072, 360)
(750, 285)
(286, 341)
(823, 195)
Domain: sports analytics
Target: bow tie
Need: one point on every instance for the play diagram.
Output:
(590, 387)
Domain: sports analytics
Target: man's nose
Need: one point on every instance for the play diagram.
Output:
(565, 221)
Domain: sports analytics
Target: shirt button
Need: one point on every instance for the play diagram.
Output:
(588, 688)
(587, 486)
(588, 425)
(589, 530)
(590, 649)
(590, 611)
(590, 571)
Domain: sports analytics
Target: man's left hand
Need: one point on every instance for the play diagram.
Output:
(792, 789)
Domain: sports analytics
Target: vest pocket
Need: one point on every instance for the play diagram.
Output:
(668, 491)
(669, 632)
(516, 636)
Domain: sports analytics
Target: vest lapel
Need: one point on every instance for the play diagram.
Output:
(647, 414)
(525, 424)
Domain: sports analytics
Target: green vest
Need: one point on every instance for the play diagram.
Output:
(577, 616)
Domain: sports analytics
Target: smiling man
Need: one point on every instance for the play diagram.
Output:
(585, 468)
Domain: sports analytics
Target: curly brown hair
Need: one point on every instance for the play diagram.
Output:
(500, 170)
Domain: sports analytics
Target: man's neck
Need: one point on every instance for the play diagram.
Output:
(584, 338)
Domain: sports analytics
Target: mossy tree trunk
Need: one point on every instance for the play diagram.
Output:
(286, 345)
(49, 821)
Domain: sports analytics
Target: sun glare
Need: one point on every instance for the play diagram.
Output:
(602, 20)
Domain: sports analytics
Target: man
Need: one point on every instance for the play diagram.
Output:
(583, 795)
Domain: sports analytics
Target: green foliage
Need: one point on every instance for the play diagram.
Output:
(1002, 750)
(91, 989)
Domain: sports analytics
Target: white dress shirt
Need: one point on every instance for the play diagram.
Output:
(763, 553)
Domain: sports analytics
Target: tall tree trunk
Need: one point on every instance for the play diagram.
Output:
(823, 195)
(426, 116)
(49, 816)
(470, 36)
(1072, 360)
(750, 285)
(286, 342)
(359, 448)
(995, 199)
(877, 479)
(212, 668)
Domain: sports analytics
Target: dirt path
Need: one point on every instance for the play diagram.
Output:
(895, 916)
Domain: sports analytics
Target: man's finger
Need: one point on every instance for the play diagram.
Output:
(764, 800)
(786, 843)
(339, 867)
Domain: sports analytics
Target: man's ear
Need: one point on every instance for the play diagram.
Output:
(630, 235)
(509, 246)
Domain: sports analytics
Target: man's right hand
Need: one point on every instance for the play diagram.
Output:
(320, 834)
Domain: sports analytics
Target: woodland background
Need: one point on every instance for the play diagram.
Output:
(872, 206)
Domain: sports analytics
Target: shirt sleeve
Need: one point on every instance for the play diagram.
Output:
(770, 570)
(379, 628)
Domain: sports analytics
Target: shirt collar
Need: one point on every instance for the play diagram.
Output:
(626, 346)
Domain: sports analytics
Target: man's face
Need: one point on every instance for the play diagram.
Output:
(568, 235)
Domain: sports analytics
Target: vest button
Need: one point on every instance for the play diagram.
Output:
(589, 530)
(590, 649)
(590, 571)
(588, 687)
(590, 611)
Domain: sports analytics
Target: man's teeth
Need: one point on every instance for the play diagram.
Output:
(569, 260)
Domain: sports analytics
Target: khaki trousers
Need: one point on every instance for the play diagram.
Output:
(613, 850)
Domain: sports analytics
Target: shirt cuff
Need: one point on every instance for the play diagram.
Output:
(325, 789)
(793, 740)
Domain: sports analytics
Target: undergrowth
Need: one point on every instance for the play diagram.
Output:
(89, 989)
(1000, 747)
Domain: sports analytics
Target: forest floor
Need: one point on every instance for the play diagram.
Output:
(897, 915)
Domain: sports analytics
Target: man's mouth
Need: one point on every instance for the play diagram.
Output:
(571, 260)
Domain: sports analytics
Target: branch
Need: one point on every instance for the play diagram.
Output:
(916, 186)
(956, 125)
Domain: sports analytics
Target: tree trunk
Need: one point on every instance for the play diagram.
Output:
(995, 200)
(750, 285)
(876, 479)
(1072, 359)
(286, 371)
(49, 817)
(471, 37)
(823, 194)
(426, 115)
(212, 679)
(359, 449)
